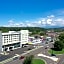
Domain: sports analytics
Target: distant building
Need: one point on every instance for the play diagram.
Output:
(13, 39)
(51, 34)
(31, 39)
(48, 39)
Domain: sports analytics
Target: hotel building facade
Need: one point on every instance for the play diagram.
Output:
(13, 39)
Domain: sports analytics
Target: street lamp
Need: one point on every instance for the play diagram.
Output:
(52, 51)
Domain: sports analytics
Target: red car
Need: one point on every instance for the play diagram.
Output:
(22, 57)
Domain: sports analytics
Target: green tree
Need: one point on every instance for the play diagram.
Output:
(42, 33)
(58, 45)
(28, 59)
(36, 37)
(61, 37)
(34, 30)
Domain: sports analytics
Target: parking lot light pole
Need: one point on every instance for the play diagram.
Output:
(52, 51)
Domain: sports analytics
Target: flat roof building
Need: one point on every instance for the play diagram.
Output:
(13, 39)
(0, 41)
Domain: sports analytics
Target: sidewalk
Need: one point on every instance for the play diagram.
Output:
(4, 53)
(52, 58)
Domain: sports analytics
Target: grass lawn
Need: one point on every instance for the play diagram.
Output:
(56, 52)
(38, 61)
(63, 63)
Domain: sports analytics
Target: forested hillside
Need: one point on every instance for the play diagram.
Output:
(34, 30)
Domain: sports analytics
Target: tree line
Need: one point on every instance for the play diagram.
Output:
(34, 30)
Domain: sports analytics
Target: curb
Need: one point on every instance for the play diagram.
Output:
(42, 59)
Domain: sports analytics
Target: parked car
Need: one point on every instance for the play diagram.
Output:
(53, 55)
(29, 48)
(22, 57)
(45, 47)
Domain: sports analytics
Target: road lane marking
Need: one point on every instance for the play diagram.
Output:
(16, 55)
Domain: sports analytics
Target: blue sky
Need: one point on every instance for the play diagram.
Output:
(35, 13)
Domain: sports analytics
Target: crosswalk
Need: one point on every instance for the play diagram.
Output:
(10, 59)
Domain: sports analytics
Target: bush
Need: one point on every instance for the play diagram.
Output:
(28, 59)
(58, 45)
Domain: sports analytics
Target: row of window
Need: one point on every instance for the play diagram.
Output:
(9, 36)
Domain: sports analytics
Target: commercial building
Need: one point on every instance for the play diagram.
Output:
(0, 41)
(13, 39)
(48, 39)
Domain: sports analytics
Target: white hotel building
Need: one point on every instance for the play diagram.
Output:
(13, 39)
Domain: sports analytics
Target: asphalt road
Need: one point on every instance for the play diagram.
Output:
(16, 51)
(61, 61)
(40, 50)
(12, 53)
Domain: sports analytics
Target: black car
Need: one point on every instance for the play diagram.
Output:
(29, 48)
(53, 55)
(45, 47)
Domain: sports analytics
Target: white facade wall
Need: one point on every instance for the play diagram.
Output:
(0, 41)
(24, 36)
(13, 38)
(10, 38)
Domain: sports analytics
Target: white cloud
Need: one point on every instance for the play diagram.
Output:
(44, 23)
(59, 19)
(29, 25)
(43, 19)
(10, 23)
(26, 21)
(51, 16)
(53, 24)
(39, 22)
(47, 21)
